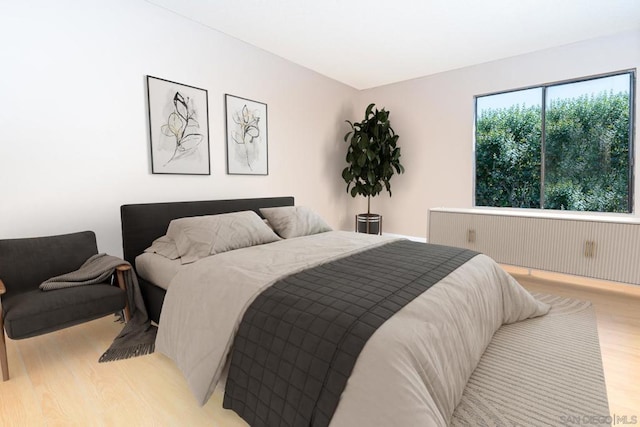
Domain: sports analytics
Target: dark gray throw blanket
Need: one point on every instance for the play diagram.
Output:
(138, 337)
(299, 340)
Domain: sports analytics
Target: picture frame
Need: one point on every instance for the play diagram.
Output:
(247, 136)
(178, 128)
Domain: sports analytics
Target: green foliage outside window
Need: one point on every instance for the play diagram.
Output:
(508, 158)
(586, 155)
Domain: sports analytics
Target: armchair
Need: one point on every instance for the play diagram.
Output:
(27, 311)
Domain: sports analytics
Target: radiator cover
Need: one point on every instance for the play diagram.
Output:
(604, 248)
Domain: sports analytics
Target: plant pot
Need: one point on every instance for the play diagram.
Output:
(369, 223)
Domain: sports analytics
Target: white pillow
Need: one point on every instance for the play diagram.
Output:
(294, 221)
(200, 236)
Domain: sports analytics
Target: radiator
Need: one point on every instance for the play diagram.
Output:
(604, 248)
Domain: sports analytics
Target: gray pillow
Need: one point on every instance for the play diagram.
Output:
(200, 236)
(294, 221)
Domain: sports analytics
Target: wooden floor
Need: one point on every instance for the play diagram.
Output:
(56, 380)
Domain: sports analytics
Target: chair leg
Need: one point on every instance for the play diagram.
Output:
(4, 362)
(122, 284)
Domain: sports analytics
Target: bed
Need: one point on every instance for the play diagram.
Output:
(144, 222)
(411, 370)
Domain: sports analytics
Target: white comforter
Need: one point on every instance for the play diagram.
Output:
(411, 372)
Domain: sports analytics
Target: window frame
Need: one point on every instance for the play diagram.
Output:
(544, 87)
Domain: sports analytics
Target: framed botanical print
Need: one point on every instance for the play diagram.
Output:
(247, 139)
(178, 128)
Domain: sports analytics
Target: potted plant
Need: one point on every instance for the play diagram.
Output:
(373, 158)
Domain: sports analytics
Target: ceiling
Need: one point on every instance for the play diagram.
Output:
(369, 43)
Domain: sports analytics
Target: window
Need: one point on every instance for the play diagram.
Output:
(565, 146)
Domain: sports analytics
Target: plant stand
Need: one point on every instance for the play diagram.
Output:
(369, 223)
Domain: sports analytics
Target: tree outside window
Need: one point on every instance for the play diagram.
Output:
(563, 146)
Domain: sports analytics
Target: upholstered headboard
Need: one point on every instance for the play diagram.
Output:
(143, 223)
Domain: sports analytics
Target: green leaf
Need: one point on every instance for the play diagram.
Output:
(371, 177)
(363, 142)
(368, 111)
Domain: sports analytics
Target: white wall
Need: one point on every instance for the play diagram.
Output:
(434, 118)
(74, 140)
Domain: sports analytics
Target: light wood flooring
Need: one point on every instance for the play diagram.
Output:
(56, 380)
